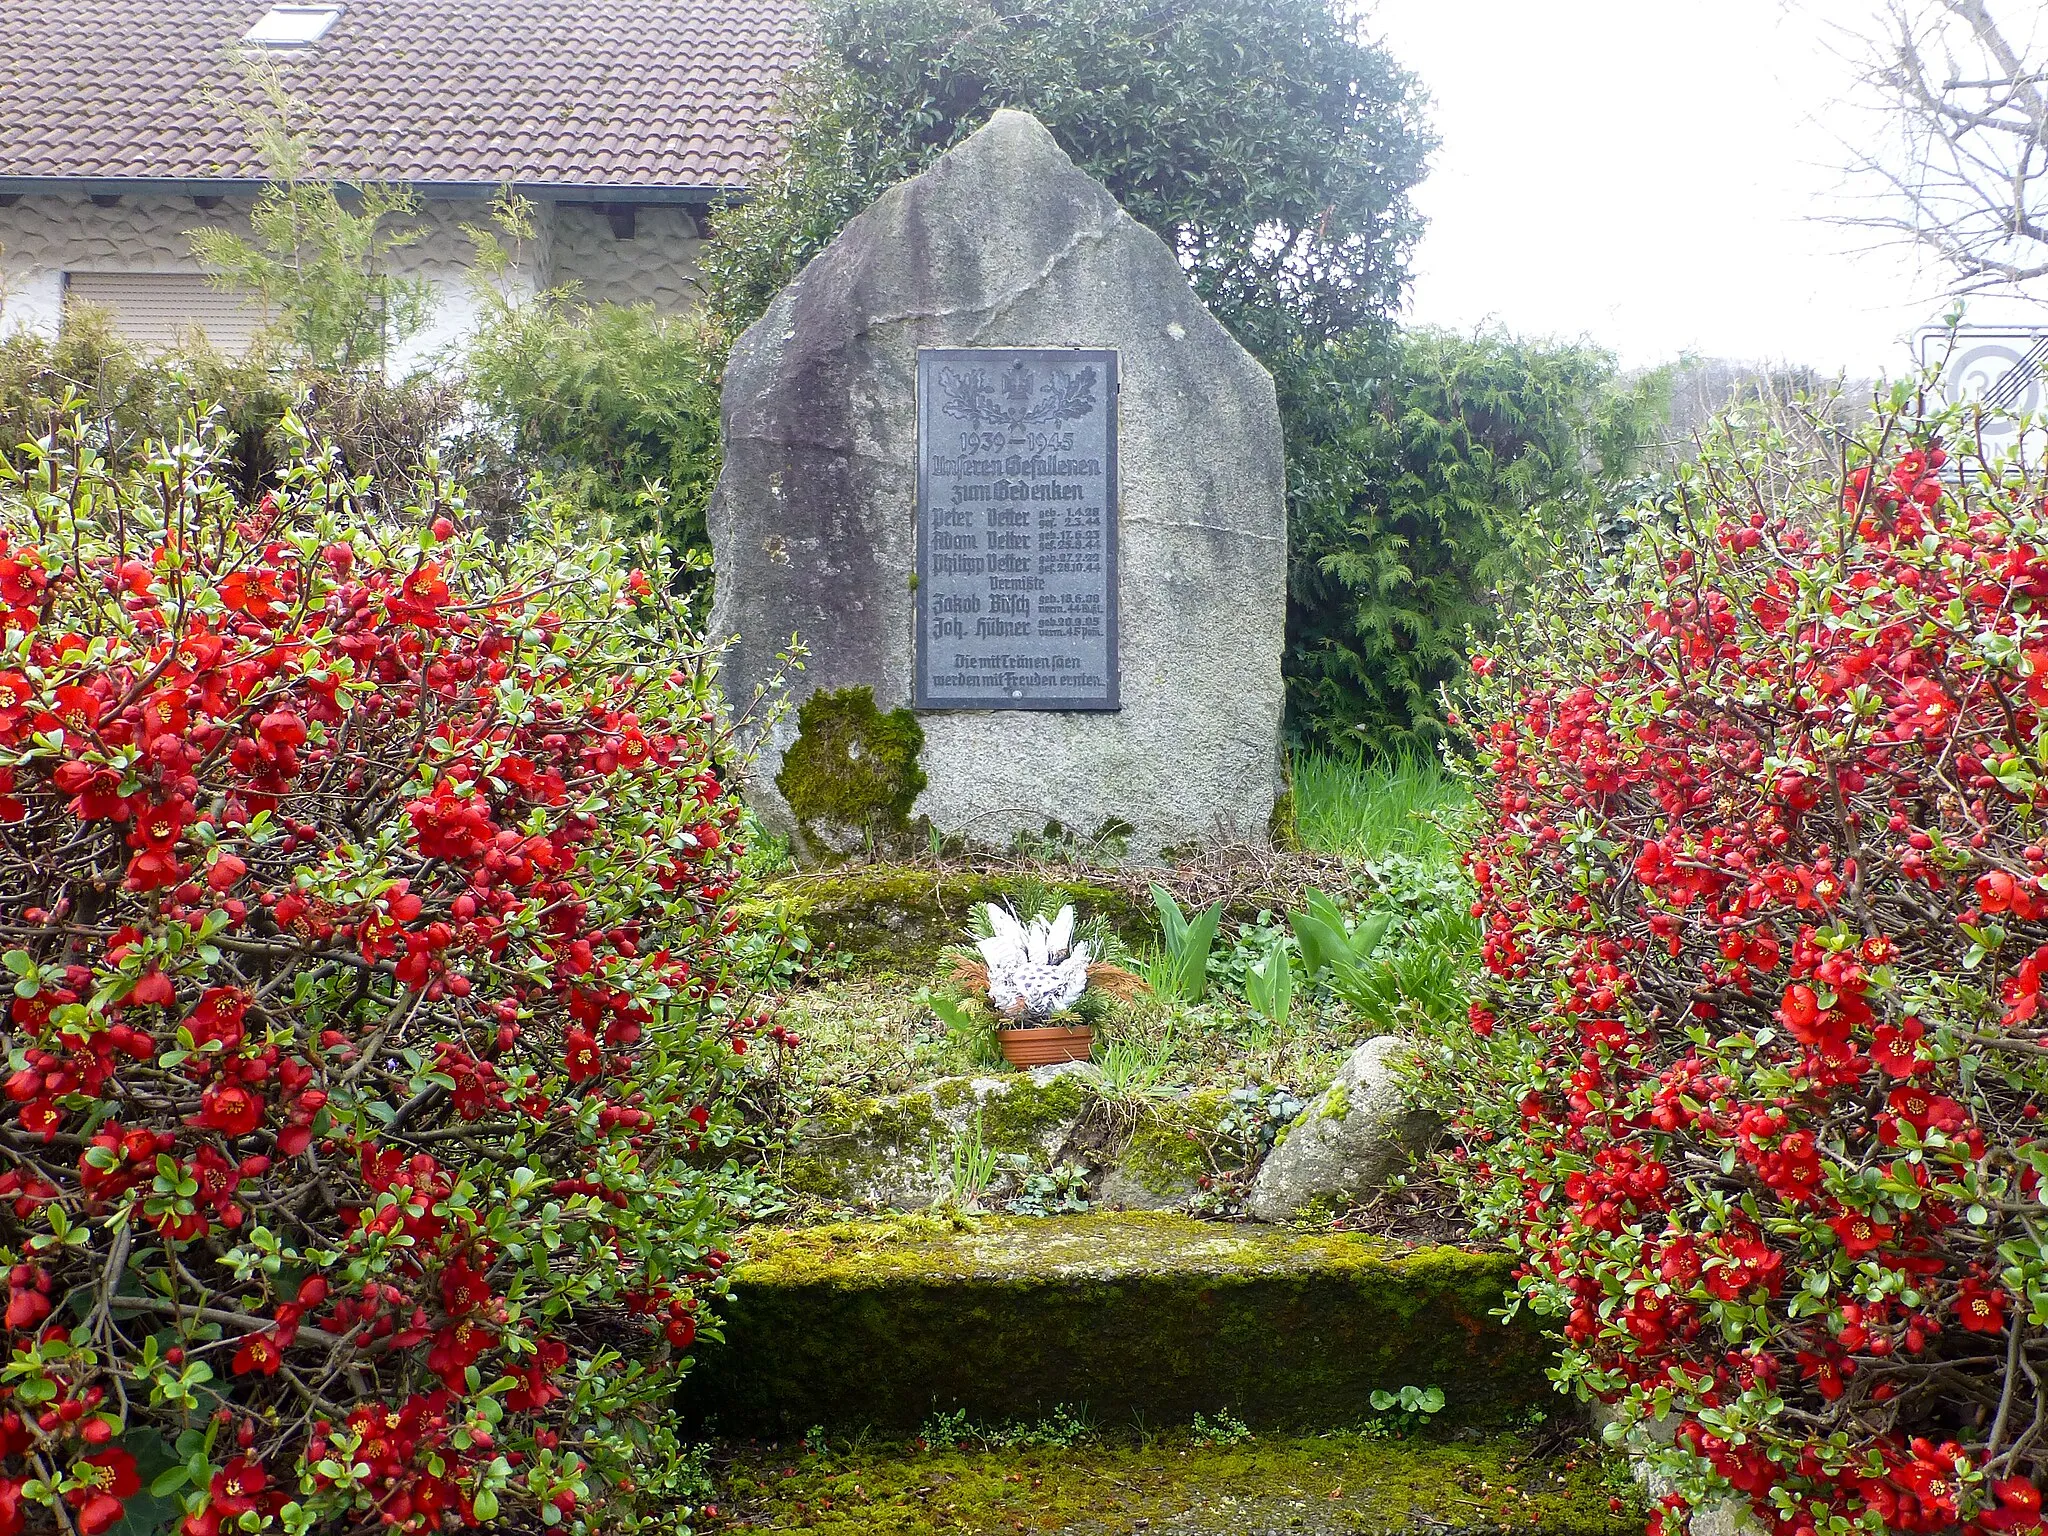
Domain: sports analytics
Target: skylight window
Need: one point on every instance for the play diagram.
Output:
(292, 26)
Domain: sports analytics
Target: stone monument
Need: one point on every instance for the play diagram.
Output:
(1020, 496)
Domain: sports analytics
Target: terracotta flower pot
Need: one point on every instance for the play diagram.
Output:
(1045, 1047)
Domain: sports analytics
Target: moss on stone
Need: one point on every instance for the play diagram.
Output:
(1130, 1313)
(953, 1092)
(1283, 827)
(892, 917)
(1018, 1118)
(852, 776)
(1318, 1485)
(1337, 1103)
(1170, 1150)
(851, 1139)
(905, 1120)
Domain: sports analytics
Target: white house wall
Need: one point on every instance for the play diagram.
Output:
(42, 238)
(657, 266)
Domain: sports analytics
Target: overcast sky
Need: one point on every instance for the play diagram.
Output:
(1645, 173)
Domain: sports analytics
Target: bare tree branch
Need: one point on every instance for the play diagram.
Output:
(1959, 165)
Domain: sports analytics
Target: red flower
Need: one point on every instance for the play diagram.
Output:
(455, 1349)
(41, 1117)
(536, 1388)
(1896, 1048)
(109, 1479)
(235, 1486)
(255, 593)
(2019, 1506)
(231, 1109)
(463, 1289)
(15, 696)
(1799, 1009)
(159, 827)
(282, 728)
(1913, 1106)
(26, 1307)
(77, 711)
(259, 1353)
(451, 825)
(1859, 1234)
(580, 1055)
(155, 989)
(1931, 1478)
(1980, 1308)
(218, 1018)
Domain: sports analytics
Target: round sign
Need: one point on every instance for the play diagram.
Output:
(2002, 372)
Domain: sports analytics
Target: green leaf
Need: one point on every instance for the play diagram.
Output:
(1369, 934)
(1173, 923)
(170, 1480)
(1320, 943)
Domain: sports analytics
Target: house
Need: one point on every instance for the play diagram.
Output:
(622, 121)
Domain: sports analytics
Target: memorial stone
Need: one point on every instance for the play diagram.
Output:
(1020, 497)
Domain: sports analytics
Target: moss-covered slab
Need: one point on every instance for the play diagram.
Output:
(893, 917)
(1163, 1161)
(1319, 1486)
(1130, 1314)
(895, 1152)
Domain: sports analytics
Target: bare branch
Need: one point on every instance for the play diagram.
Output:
(1957, 163)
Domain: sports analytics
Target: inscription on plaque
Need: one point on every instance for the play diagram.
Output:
(1016, 528)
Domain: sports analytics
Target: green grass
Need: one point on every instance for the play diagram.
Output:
(1367, 809)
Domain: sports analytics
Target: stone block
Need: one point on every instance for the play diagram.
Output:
(1004, 243)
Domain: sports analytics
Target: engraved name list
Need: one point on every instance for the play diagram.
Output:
(1016, 525)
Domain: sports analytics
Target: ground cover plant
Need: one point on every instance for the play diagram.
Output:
(1754, 1086)
(363, 897)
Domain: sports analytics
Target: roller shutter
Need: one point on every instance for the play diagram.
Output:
(154, 309)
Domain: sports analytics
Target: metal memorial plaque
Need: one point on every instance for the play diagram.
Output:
(1016, 528)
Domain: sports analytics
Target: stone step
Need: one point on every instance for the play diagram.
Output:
(1138, 1317)
(1265, 1486)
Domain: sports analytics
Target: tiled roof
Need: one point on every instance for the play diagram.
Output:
(611, 94)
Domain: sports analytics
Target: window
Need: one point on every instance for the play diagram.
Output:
(156, 309)
(292, 26)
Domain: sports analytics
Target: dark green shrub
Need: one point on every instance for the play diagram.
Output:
(619, 406)
(1427, 481)
(124, 396)
(1263, 139)
(380, 429)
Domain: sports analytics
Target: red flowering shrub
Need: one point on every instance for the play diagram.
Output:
(1760, 1051)
(362, 892)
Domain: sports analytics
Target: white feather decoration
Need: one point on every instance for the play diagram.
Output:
(1034, 969)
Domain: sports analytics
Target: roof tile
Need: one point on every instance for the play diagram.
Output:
(624, 93)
